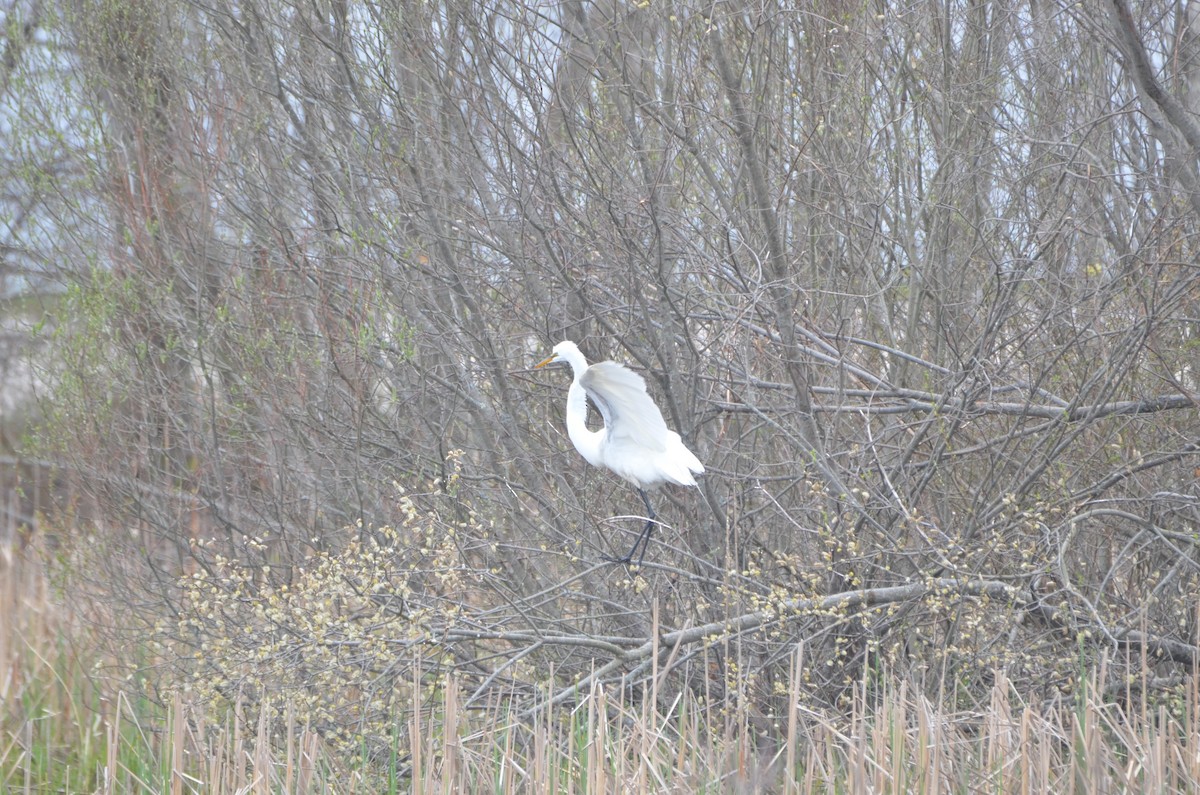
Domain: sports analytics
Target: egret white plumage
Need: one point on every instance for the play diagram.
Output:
(635, 442)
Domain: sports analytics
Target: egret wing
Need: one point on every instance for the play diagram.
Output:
(629, 413)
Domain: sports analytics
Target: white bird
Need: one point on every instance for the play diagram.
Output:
(635, 442)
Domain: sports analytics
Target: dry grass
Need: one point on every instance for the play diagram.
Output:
(65, 729)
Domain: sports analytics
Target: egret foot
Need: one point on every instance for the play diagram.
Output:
(643, 541)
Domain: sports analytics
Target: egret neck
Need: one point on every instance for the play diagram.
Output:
(587, 442)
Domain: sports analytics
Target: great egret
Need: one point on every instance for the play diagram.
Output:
(635, 442)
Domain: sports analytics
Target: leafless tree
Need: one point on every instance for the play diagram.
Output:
(917, 284)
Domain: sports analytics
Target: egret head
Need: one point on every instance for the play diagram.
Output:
(566, 352)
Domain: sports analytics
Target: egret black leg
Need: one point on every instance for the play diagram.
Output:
(643, 539)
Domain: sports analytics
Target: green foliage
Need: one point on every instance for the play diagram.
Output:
(89, 372)
(350, 640)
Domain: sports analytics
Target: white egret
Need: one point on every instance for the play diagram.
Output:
(635, 442)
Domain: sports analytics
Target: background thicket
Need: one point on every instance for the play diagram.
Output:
(917, 282)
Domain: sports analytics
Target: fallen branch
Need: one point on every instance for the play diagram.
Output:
(719, 630)
(1161, 648)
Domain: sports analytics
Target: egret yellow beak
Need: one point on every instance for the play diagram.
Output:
(543, 364)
